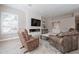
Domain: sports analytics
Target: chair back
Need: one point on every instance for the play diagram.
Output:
(23, 36)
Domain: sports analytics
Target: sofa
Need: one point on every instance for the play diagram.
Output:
(66, 42)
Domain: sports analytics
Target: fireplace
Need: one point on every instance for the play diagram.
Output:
(34, 30)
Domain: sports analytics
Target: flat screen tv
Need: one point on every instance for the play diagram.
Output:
(35, 22)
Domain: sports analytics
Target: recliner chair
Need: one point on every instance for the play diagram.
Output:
(28, 42)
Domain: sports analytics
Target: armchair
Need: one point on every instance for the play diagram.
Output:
(28, 42)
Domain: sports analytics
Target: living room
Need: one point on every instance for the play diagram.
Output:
(45, 22)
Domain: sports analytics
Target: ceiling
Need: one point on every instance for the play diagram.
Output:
(46, 9)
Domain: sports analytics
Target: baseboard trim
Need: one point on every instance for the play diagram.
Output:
(13, 38)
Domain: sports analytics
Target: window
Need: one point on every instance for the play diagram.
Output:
(9, 23)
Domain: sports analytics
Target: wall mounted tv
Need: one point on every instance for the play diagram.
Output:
(35, 22)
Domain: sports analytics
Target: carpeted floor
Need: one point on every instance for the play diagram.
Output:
(13, 47)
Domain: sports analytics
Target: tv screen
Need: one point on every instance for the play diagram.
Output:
(35, 22)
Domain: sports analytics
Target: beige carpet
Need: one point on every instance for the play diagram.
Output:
(13, 47)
